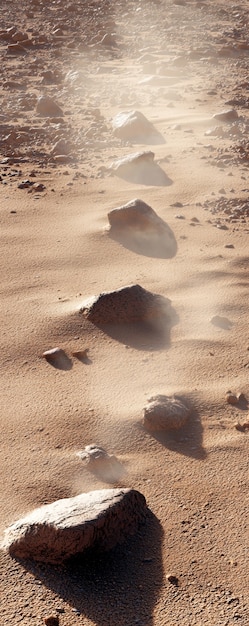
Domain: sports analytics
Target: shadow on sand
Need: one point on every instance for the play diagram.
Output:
(150, 244)
(153, 335)
(119, 587)
(187, 440)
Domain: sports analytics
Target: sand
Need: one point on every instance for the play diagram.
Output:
(179, 63)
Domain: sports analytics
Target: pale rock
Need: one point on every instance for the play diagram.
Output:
(105, 466)
(165, 413)
(134, 126)
(55, 532)
(230, 115)
(140, 168)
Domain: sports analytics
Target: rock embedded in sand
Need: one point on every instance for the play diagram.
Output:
(133, 159)
(46, 107)
(51, 620)
(138, 226)
(165, 413)
(126, 305)
(49, 355)
(230, 115)
(140, 168)
(106, 466)
(135, 215)
(55, 532)
(231, 398)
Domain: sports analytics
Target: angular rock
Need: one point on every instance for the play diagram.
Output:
(134, 126)
(48, 107)
(227, 116)
(126, 305)
(57, 531)
(165, 413)
(61, 147)
(133, 159)
(106, 466)
(138, 226)
(140, 167)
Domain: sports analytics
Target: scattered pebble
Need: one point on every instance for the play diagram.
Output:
(51, 620)
(172, 579)
(231, 398)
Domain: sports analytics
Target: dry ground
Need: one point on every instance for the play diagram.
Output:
(179, 63)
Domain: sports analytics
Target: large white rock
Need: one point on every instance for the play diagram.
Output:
(57, 531)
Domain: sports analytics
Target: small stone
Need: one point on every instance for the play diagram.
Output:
(81, 354)
(61, 147)
(231, 398)
(51, 620)
(25, 184)
(229, 245)
(165, 413)
(172, 579)
(51, 354)
(105, 466)
(242, 427)
(57, 358)
(46, 107)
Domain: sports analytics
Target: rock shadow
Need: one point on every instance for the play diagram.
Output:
(117, 587)
(187, 440)
(153, 335)
(147, 243)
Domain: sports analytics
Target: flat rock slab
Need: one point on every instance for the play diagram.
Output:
(138, 226)
(140, 168)
(165, 413)
(134, 126)
(126, 305)
(55, 532)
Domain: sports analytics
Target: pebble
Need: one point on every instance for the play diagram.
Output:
(53, 355)
(51, 620)
(231, 398)
(242, 427)
(47, 107)
(172, 579)
(80, 354)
